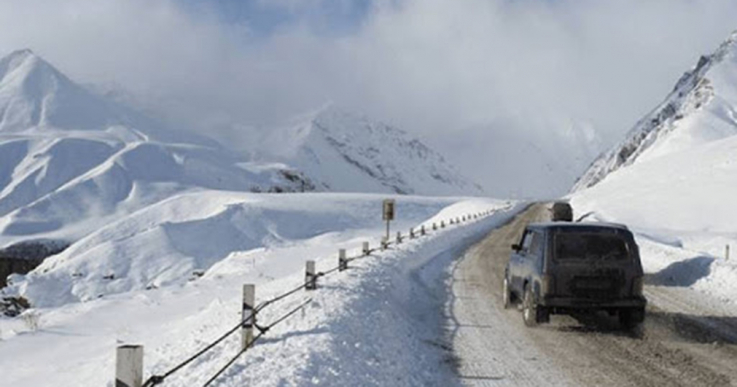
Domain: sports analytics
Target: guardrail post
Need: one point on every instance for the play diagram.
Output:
(365, 249)
(248, 316)
(342, 261)
(411, 233)
(310, 276)
(399, 237)
(422, 230)
(129, 366)
(434, 227)
(442, 224)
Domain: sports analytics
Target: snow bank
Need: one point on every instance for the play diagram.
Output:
(167, 242)
(379, 323)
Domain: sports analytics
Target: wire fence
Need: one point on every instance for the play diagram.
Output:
(155, 380)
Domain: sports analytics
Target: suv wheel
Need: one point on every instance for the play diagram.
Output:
(506, 294)
(529, 308)
(631, 318)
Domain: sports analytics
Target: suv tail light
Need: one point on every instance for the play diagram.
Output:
(637, 283)
(547, 285)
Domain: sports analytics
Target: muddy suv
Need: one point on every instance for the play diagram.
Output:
(562, 268)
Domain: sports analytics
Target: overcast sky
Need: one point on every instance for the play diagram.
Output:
(455, 72)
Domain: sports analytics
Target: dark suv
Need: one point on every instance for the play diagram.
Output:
(561, 267)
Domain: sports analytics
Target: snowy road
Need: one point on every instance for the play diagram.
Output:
(688, 339)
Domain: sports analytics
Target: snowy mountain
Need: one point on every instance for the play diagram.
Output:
(672, 181)
(71, 160)
(143, 205)
(702, 108)
(348, 152)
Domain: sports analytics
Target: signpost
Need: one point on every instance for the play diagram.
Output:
(388, 214)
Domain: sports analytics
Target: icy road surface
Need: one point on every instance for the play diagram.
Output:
(688, 339)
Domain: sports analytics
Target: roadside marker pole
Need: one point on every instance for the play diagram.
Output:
(310, 276)
(129, 366)
(248, 317)
(342, 261)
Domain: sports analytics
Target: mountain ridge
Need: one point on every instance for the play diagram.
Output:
(689, 115)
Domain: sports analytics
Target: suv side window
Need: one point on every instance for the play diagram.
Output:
(527, 241)
(536, 244)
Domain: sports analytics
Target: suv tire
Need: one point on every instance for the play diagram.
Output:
(631, 318)
(529, 308)
(506, 294)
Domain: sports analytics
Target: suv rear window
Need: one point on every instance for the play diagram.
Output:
(590, 246)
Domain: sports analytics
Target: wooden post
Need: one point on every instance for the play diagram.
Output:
(411, 233)
(342, 261)
(247, 316)
(129, 366)
(310, 276)
(442, 224)
(422, 230)
(366, 250)
(451, 220)
(434, 227)
(399, 237)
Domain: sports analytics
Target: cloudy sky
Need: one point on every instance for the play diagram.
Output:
(459, 73)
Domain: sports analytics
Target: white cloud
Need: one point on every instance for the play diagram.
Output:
(456, 71)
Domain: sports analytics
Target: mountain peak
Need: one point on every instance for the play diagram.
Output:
(693, 114)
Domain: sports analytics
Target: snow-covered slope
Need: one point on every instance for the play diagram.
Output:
(348, 152)
(673, 181)
(70, 161)
(702, 108)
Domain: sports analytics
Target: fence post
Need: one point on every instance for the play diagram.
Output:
(310, 276)
(451, 220)
(422, 230)
(248, 316)
(366, 249)
(129, 366)
(434, 227)
(442, 224)
(342, 261)
(411, 233)
(399, 237)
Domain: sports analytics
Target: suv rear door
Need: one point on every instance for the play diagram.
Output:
(593, 263)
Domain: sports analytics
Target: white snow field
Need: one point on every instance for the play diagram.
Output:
(379, 323)
(674, 181)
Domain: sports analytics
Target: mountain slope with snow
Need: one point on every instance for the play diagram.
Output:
(673, 180)
(348, 152)
(702, 108)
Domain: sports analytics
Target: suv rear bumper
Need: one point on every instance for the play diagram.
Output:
(587, 303)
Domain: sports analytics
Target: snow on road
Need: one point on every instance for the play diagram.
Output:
(380, 323)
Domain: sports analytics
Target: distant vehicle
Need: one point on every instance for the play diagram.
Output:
(561, 212)
(562, 267)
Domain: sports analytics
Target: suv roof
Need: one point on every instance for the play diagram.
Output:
(545, 225)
